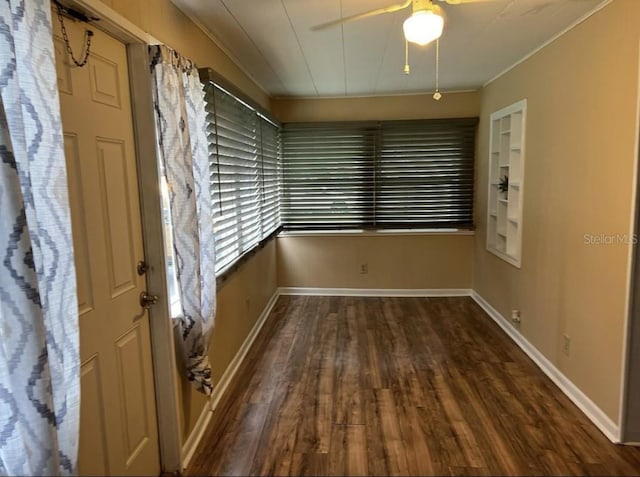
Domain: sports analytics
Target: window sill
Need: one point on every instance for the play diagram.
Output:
(374, 233)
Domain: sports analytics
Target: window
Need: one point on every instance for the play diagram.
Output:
(270, 147)
(424, 174)
(175, 307)
(244, 151)
(389, 174)
(327, 175)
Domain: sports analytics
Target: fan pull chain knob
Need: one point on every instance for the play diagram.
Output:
(407, 70)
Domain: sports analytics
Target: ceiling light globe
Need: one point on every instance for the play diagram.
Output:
(423, 27)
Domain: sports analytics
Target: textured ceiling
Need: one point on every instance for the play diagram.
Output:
(273, 42)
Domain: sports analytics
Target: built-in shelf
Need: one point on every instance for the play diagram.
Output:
(506, 158)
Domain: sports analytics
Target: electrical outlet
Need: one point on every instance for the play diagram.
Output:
(364, 268)
(566, 344)
(515, 317)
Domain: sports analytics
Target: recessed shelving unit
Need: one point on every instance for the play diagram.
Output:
(506, 159)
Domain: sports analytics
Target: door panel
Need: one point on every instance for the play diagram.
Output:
(118, 427)
(131, 377)
(63, 69)
(80, 239)
(93, 444)
(105, 87)
(120, 238)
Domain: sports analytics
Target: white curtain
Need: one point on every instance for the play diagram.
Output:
(39, 349)
(181, 126)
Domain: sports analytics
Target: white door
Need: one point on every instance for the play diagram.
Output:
(118, 427)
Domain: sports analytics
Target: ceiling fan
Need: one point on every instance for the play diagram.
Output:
(423, 26)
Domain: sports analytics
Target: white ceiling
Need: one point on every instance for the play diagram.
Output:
(273, 42)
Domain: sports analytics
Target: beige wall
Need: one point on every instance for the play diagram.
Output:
(241, 300)
(419, 106)
(395, 261)
(168, 24)
(579, 178)
(403, 261)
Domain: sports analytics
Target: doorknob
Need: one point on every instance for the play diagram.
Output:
(147, 300)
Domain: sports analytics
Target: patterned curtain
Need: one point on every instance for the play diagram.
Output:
(39, 348)
(181, 123)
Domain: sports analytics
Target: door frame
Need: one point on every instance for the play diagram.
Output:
(629, 418)
(160, 324)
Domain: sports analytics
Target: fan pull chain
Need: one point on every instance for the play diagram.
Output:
(437, 95)
(407, 70)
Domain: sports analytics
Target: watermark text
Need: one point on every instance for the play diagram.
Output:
(610, 239)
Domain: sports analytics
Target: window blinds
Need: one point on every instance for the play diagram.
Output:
(244, 160)
(390, 174)
(424, 174)
(327, 175)
(270, 163)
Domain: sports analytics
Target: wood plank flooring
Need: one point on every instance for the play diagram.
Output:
(397, 386)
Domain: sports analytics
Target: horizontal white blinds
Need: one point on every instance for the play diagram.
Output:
(424, 174)
(244, 201)
(270, 162)
(390, 174)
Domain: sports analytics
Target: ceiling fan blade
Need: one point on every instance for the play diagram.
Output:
(360, 16)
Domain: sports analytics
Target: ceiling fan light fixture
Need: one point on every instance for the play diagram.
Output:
(423, 26)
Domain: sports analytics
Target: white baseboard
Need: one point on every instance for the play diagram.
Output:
(586, 405)
(191, 444)
(385, 292)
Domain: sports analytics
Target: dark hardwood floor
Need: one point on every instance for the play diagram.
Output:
(397, 386)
